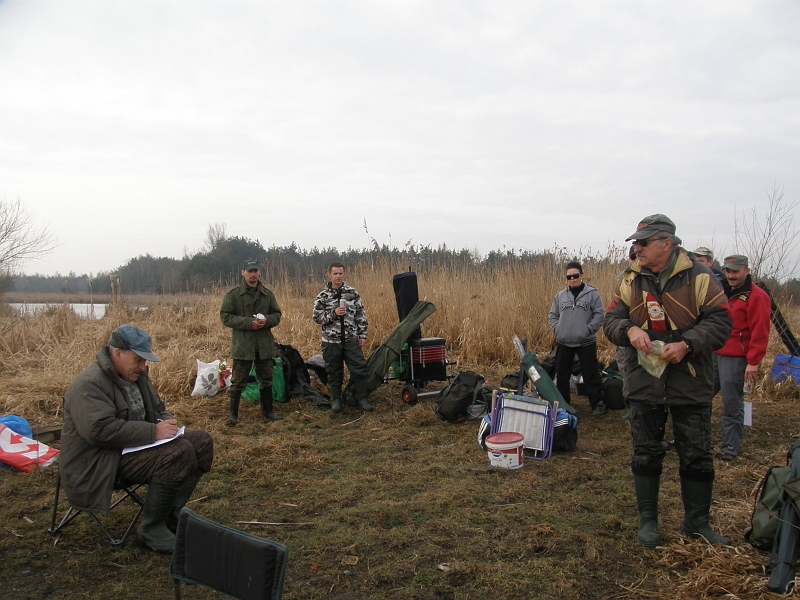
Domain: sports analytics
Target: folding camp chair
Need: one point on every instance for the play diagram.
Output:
(123, 491)
(226, 560)
(533, 418)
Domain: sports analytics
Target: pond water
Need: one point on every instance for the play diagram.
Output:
(85, 311)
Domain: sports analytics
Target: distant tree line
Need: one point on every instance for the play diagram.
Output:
(220, 261)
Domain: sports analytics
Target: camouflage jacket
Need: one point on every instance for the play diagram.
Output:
(354, 321)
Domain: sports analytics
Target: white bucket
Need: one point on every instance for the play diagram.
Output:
(505, 450)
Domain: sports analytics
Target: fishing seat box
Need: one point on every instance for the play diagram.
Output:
(428, 359)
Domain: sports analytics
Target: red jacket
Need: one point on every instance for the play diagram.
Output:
(749, 307)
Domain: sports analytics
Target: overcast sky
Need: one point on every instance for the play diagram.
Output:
(129, 127)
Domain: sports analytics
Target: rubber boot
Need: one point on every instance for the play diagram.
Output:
(153, 531)
(265, 397)
(336, 402)
(647, 501)
(233, 412)
(181, 498)
(364, 405)
(696, 497)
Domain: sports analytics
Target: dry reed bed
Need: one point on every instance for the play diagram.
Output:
(477, 312)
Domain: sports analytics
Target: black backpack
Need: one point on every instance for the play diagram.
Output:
(455, 401)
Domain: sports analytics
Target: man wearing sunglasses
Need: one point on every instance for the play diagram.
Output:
(666, 296)
(575, 318)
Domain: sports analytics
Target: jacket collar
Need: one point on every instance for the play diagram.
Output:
(244, 288)
(744, 288)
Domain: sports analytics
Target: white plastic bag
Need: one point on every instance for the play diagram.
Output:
(207, 382)
(652, 362)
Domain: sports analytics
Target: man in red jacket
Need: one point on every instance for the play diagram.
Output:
(739, 358)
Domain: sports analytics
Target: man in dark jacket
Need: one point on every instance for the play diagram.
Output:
(112, 405)
(575, 318)
(665, 298)
(251, 311)
(739, 358)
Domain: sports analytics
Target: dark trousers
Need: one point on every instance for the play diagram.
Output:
(173, 461)
(691, 425)
(241, 372)
(587, 356)
(350, 354)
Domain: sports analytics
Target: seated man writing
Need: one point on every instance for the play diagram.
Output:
(112, 405)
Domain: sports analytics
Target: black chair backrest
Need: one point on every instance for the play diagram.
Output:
(233, 562)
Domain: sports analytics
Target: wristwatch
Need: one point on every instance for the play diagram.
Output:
(689, 349)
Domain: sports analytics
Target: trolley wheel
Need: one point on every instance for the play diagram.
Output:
(409, 395)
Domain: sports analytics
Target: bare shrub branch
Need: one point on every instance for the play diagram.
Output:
(20, 240)
(770, 240)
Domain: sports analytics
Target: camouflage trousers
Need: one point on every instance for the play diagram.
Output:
(691, 425)
(241, 372)
(173, 461)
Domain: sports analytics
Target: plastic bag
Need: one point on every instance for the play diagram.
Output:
(22, 452)
(207, 382)
(279, 393)
(17, 425)
(652, 362)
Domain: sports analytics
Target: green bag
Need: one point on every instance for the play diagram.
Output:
(279, 382)
(765, 520)
(250, 392)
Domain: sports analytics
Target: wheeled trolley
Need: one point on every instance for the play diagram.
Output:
(422, 359)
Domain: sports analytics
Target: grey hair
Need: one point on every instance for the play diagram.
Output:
(676, 241)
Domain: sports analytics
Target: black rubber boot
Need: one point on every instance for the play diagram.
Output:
(364, 405)
(336, 405)
(696, 497)
(181, 498)
(233, 411)
(265, 397)
(153, 531)
(647, 501)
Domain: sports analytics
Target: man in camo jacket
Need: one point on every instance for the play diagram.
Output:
(340, 312)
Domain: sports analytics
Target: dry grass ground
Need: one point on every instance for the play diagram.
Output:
(393, 504)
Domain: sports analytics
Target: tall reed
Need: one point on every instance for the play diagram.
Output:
(479, 309)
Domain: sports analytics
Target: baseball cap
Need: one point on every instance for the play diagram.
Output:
(249, 265)
(703, 251)
(129, 337)
(652, 225)
(735, 262)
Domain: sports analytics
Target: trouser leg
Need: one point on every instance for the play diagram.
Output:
(717, 384)
(731, 377)
(359, 371)
(587, 355)
(334, 367)
(264, 376)
(692, 427)
(564, 358)
(240, 373)
(647, 432)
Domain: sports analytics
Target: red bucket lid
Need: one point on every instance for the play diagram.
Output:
(506, 437)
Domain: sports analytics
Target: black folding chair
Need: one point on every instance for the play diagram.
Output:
(123, 491)
(226, 560)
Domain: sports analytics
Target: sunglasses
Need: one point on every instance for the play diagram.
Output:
(644, 243)
(575, 276)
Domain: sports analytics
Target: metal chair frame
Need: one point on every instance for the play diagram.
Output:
(128, 492)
